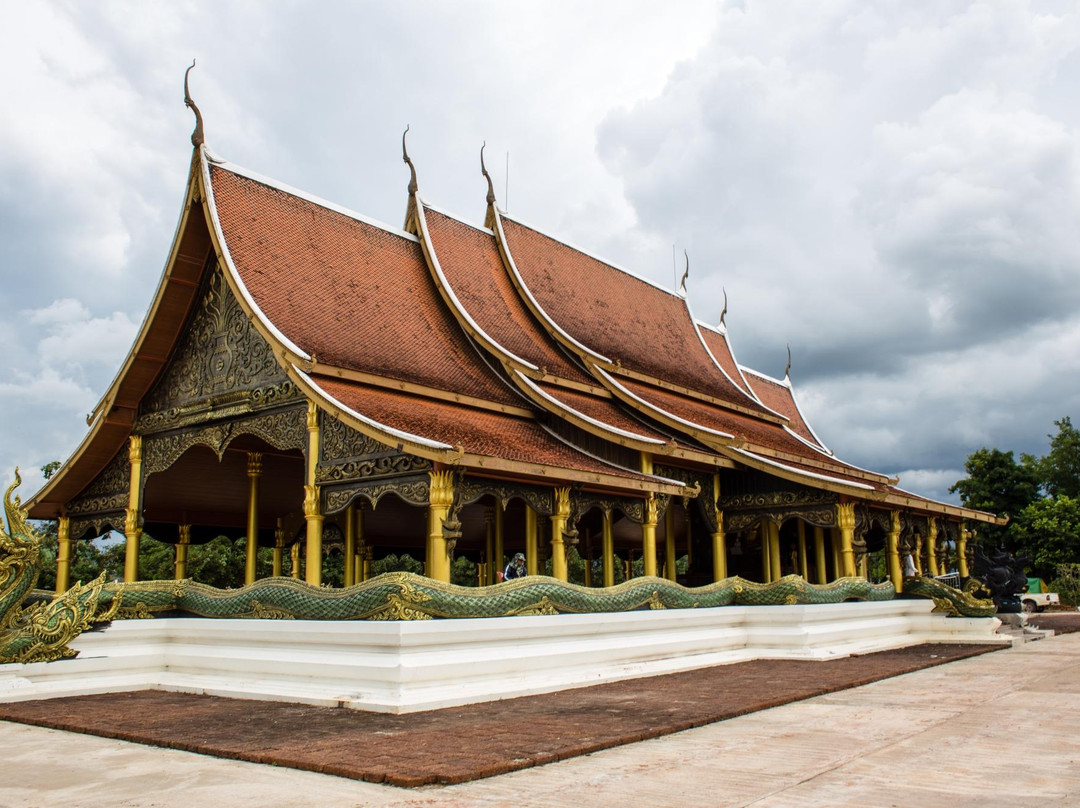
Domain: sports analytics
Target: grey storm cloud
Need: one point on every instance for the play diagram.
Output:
(890, 189)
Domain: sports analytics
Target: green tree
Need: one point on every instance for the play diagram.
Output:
(1060, 469)
(998, 484)
(1048, 532)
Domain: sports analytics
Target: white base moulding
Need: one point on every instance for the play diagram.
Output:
(403, 667)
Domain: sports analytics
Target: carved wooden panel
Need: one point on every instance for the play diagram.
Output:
(109, 491)
(347, 454)
(413, 490)
(743, 511)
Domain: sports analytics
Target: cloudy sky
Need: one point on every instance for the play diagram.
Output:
(891, 188)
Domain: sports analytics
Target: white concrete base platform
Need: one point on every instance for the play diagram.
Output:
(402, 667)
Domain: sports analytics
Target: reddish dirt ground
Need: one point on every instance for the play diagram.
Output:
(466, 743)
(1061, 622)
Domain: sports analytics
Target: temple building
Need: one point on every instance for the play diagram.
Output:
(306, 376)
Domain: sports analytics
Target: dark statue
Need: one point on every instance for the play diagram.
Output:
(1004, 577)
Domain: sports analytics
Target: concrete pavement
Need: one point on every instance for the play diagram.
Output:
(996, 730)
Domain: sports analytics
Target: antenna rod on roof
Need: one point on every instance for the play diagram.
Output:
(197, 137)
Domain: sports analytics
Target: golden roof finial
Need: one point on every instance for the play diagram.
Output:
(723, 314)
(412, 168)
(686, 274)
(197, 137)
(484, 171)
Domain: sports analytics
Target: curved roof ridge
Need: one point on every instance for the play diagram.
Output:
(459, 219)
(451, 297)
(530, 300)
(606, 462)
(722, 332)
(786, 383)
(562, 405)
(747, 390)
(316, 389)
(234, 275)
(269, 182)
(802, 472)
(612, 382)
(592, 255)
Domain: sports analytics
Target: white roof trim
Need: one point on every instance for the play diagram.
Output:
(598, 459)
(802, 416)
(595, 257)
(535, 303)
(746, 389)
(456, 218)
(231, 267)
(315, 200)
(600, 424)
(802, 472)
(817, 448)
(453, 296)
(314, 387)
(765, 376)
(660, 410)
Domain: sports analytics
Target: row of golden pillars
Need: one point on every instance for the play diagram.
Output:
(437, 549)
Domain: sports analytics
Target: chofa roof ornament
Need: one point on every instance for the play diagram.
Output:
(685, 275)
(484, 171)
(412, 169)
(723, 314)
(787, 370)
(197, 136)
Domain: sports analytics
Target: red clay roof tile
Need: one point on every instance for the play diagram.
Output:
(345, 291)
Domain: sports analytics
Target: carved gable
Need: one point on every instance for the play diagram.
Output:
(221, 367)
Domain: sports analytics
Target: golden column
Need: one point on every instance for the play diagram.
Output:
(607, 549)
(349, 577)
(294, 560)
(892, 548)
(132, 527)
(931, 546)
(489, 545)
(837, 561)
(440, 498)
(669, 542)
(918, 554)
(819, 555)
(558, 527)
(774, 552)
(279, 547)
(766, 556)
(845, 520)
(719, 549)
(500, 553)
(63, 555)
(804, 562)
(182, 545)
(254, 471)
(648, 537)
(312, 510)
(530, 540)
(961, 552)
(365, 571)
(362, 550)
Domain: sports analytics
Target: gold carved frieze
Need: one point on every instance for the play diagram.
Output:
(743, 511)
(282, 429)
(539, 499)
(632, 509)
(109, 491)
(703, 481)
(413, 490)
(96, 525)
(222, 367)
(350, 455)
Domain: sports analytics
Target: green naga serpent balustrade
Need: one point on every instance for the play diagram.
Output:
(40, 631)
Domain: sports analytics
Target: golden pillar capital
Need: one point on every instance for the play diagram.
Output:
(135, 449)
(648, 536)
(845, 521)
(558, 528)
(440, 498)
(254, 464)
(312, 417)
(719, 544)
